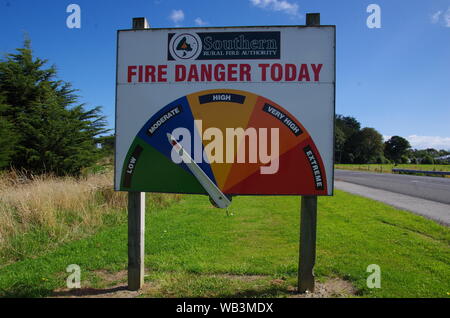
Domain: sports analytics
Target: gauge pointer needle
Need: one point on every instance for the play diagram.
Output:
(215, 194)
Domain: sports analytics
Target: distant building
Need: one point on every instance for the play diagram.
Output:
(444, 158)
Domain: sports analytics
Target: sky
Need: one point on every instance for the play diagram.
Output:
(395, 78)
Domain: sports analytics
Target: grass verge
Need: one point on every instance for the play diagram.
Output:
(387, 168)
(40, 213)
(194, 250)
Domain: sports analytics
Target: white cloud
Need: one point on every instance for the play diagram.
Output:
(290, 8)
(441, 17)
(177, 16)
(447, 18)
(435, 17)
(200, 22)
(423, 142)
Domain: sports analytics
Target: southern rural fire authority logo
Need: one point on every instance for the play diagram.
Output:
(240, 45)
(185, 46)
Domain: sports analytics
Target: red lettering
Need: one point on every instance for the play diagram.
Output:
(141, 73)
(276, 72)
(316, 69)
(304, 73)
(263, 71)
(180, 73)
(232, 71)
(162, 72)
(219, 74)
(291, 72)
(131, 72)
(193, 74)
(223, 72)
(244, 73)
(149, 73)
(206, 72)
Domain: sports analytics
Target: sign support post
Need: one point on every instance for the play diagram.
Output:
(308, 221)
(136, 224)
(136, 220)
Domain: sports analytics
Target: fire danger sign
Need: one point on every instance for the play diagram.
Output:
(226, 111)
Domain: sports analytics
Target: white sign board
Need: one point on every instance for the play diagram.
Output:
(252, 106)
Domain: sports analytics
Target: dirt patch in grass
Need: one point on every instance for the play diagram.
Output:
(332, 288)
(109, 278)
(114, 285)
(119, 291)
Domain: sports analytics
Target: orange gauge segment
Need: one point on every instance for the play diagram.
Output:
(214, 112)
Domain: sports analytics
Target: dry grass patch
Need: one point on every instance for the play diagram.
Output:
(59, 208)
(38, 213)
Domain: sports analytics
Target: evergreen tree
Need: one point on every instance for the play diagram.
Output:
(107, 144)
(54, 132)
(8, 138)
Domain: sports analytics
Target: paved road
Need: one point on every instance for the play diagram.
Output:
(430, 188)
(437, 211)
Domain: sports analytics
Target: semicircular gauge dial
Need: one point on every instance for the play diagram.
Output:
(246, 144)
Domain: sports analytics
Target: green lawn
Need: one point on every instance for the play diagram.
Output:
(194, 250)
(387, 168)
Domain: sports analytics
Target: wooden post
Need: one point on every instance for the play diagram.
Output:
(140, 23)
(136, 220)
(312, 19)
(308, 221)
(136, 226)
(307, 259)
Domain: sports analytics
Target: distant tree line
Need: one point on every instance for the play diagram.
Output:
(43, 127)
(354, 144)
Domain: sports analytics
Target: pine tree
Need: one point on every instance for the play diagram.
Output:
(8, 138)
(54, 133)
